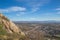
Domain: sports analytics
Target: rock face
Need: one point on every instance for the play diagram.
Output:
(9, 26)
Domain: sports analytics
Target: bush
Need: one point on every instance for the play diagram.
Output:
(2, 31)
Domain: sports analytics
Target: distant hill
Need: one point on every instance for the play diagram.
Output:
(50, 21)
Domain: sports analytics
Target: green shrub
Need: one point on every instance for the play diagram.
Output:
(2, 31)
(5, 18)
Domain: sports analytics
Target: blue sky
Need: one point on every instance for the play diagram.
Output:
(31, 10)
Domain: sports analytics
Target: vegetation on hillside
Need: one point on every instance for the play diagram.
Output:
(2, 31)
(7, 36)
(5, 18)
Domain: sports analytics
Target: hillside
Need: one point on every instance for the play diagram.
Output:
(9, 31)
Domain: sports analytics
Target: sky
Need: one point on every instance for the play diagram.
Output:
(31, 10)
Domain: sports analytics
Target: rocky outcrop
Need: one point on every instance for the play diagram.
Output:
(9, 25)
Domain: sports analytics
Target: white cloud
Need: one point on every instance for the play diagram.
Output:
(4, 10)
(34, 10)
(32, 18)
(20, 13)
(17, 9)
(13, 9)
(58, 12)
(58, 9)
(34, 5)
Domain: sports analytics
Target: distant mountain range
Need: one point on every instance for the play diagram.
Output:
(49, 21)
